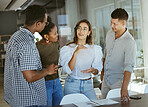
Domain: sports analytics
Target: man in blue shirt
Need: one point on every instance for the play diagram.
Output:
(120, 55)
(24, 83)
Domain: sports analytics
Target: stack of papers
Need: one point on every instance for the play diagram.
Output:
(96, 103)
(105, 102)
(86, 104)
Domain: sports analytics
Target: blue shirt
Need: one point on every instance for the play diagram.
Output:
(120, 56)
(21, 55)
(86, 58)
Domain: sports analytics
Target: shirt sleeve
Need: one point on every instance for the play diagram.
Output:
(97, 63)
(130, 56)
(104, 56)
(65, 57)
(28, 58)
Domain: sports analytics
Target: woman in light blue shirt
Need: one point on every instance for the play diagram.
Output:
(80, 59)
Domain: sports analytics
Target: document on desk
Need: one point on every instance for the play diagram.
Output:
(105, 102)
(86, 104)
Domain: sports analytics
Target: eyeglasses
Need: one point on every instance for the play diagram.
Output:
(80, 29)
(46, 23)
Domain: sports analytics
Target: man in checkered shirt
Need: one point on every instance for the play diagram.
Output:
(24, 83)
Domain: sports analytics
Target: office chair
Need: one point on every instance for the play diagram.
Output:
(146, 88)
(115, 93)
(74, 98)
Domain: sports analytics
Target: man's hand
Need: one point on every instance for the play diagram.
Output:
(124, 91)
(124, 95)
(52, 69)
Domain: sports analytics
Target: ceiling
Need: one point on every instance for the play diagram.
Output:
(11, 4)
(22, 4)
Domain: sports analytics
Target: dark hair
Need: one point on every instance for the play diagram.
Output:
(89, 37)
(34, 13)
(120, 14)
(47, 28)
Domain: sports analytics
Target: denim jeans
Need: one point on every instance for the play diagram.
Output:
(73, 85)
(54, 92)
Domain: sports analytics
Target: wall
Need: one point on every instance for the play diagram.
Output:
(72, 10)
(8, 22)
(144, 4)
(93, 4)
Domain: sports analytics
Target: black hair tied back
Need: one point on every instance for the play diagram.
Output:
(47, 28)
(49, 19)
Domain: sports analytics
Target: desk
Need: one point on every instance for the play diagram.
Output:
(143, 102)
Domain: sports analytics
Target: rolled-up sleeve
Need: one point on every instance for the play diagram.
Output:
(130, 56)
(29, 59)
(65, 57)
(97, 63)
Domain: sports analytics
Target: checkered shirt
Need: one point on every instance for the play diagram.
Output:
(21, 55)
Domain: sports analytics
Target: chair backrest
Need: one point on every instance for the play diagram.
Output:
(146, 88)
(74, 98)
(115, 93)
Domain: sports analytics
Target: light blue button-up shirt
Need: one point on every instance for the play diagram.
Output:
(120, 56)
(86, 58)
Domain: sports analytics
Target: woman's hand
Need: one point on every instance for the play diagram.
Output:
(91, 70)
(72, 62)
(79, 48)
(88, 70)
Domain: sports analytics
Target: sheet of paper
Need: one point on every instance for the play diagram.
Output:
(86, 104)
(105, 102)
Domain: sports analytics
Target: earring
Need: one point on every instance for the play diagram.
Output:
(47, 41)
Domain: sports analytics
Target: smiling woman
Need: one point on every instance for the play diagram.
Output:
(82, 31)
(48, 49)
(73, 58)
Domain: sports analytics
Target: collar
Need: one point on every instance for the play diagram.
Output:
(123, 36)
(27, 31)
(74, 45)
